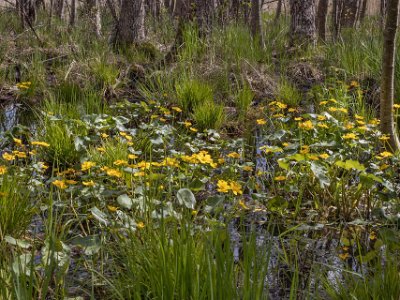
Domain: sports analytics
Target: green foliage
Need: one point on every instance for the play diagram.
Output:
(16, 208)
(243, 100)
(289, 94)
(192, 93)
(209, 115)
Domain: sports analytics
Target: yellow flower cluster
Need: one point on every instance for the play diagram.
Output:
(225, 187)
(307, 125)
(202, 157)
(87, 165)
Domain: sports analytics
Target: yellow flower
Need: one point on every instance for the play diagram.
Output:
(354, 84)
(88, 183)
(261, 122)
(234, 155)
(187, 123)
(363, 128)
(247, 168)
(323, 103)
(3, 170)
(19, 154)
(291, 110)
(223, 186)
(177, 109)
(112, 208)
(242, 204)
(280, 178)
(321, 118)
(8, 156)
(384, 137)
(344, 256)
(285, 144)
(140, 225)
(121, 133)
(87, 165)
(349, 126)
(193, 129)
(101, 149)
(313, 157)
(70, 181)
(372, 236)
(104, 135)
(298, 118)
(278, 116)
(281, 105)
(236, 188)
(305, 149)
(114, 173)
(132, 156)
(120, 162)
(17, 141)
(358, 117)
(386, 154)
(349, 136)
(375, 121)
(332, 109)
(359, 122)
(396, 106)
(307, 125)
(42, 144)
(323, 125)
(324, 156)
(60, 184)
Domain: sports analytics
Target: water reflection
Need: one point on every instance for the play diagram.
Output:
(13, 114)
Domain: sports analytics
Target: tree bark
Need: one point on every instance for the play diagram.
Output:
(363, 10)
(256, 22)
(72, 15)
(387, 87)
(302, 25)
(278, 11)
(322, 13)
(58, 8)
(349, 14)
(130, 26)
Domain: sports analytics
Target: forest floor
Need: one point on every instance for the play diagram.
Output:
(233, 172)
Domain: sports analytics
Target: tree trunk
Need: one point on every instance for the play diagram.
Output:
(349, 13)
(278, 11)
(130, 26)
(337, 12)
(58, 8)
(302, 25)
(383, 10)
(72, 15)
(256, 22)
(363, 10)
(322, 13)
(387, 87)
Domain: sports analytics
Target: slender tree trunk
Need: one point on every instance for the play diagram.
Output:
(337, 12)
(278, 11)
(72, 15)
(383, 8)
(387, 88)
(363, 10)
(302, 25)
(256, 22)
(322, 13)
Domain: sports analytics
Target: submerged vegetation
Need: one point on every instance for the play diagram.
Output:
(236, 172)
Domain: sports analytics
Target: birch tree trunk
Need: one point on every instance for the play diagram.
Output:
(387, 87)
